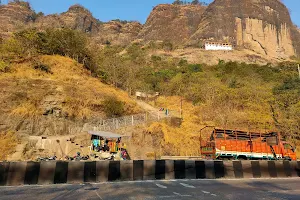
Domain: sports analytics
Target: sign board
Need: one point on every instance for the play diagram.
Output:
(272, 141)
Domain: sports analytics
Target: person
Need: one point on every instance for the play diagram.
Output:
(124, 154)
(95, 144)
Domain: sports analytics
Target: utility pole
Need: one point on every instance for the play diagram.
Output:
(181, 106)
(299, 70)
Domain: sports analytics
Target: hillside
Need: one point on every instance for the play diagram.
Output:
(56, 98)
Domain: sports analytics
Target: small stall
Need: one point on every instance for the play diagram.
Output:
(106, 144)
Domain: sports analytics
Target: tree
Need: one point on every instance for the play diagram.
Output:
(177, 2)
(113, 107)
(195, 2)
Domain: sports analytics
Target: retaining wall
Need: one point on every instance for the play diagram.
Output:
(58, 172)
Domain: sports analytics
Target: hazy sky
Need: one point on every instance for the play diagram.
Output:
(106, 10)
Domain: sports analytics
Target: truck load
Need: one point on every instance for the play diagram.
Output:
(245, 145)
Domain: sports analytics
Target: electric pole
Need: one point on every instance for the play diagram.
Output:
(299, 70)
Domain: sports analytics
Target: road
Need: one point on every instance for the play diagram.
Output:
(272, 189)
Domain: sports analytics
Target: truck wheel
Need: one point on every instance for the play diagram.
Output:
(287, 158)
(242, 158)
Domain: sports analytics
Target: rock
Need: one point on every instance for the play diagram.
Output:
(14, 16)
(175, 23)
(118, 33)
(262, 26)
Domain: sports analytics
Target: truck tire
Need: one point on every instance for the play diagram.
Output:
(242, 158)
(287, 158)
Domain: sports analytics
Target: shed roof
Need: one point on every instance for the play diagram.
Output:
(105, 134)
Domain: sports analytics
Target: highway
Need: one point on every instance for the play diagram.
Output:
(243, 189)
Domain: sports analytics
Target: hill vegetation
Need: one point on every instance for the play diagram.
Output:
(54, 79)
(228, 93)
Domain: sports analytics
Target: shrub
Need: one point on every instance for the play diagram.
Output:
(4, 67)
(113, 107)
(167, 46)
(43, 68)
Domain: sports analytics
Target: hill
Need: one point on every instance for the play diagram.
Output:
(18, 15)
(263, 27)
(53, 95)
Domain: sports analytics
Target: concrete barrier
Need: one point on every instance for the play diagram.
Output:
(58, 172)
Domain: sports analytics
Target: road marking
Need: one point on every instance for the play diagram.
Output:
(161, 186)
(205, 192)
(187, 185)
(213, 195)
(182, 195)
(166, 197)
(98, 195)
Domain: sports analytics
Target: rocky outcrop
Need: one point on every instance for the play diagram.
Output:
(263, 26)
(79, 18)
(17, 16)
(14, 16)
(175, 23)
(118, 33)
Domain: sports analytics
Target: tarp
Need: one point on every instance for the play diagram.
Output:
(105, 134)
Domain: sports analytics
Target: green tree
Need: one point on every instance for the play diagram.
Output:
(113, 107)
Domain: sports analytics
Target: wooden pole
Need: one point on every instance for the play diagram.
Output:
(299, 70)
(181, 107)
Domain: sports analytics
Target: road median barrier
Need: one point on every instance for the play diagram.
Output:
(59, 172)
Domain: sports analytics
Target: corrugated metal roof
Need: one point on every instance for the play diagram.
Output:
(105, 134)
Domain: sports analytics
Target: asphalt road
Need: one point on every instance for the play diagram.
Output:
(272, 189)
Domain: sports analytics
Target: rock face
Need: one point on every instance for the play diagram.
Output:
(79, 18)
(118, 33)
(175, 23)
(263, 26)
(14, 16)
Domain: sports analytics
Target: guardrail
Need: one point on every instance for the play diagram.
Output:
(58, 172)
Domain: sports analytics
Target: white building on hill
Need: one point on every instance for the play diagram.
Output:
(214, 46)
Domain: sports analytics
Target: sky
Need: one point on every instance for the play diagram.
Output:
(139, 10)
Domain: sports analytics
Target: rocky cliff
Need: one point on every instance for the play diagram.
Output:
(175, 23)
(118, 33)
(263, 26)
(14, 16)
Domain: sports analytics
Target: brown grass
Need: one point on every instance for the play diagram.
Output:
(8, 142)
(80, 95)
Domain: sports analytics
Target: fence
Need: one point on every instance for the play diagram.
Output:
(116, 123)
(127, 121)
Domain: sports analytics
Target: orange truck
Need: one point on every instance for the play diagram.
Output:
(244, 145)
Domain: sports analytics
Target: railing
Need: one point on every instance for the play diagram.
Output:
(127, 121)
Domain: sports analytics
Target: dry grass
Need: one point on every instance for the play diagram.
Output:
(8, 142)
(184, 140)
(78, 93)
